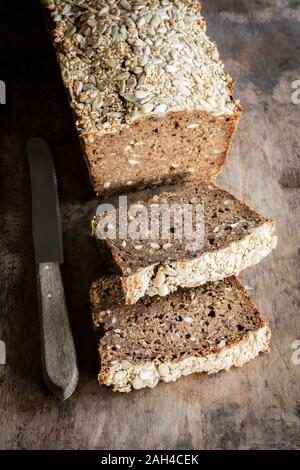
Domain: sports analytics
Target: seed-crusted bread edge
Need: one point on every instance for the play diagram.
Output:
(211, 266)
(138, 65)
(123, 375)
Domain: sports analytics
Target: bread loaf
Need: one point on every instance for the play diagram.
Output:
(151, 100)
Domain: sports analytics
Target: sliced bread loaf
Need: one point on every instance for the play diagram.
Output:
(151, 99)
(206, 329)
(234, 237)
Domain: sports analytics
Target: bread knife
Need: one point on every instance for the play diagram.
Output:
(59, 360)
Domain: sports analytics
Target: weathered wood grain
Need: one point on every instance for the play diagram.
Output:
(255, 407)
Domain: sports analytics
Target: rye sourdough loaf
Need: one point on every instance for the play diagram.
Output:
(234, 237)
(205, 329)
(151, 100)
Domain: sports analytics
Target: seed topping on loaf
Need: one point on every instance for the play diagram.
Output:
(122, 60)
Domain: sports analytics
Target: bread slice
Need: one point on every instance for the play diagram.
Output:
(206, 329)
(235, 237)
(151, 100)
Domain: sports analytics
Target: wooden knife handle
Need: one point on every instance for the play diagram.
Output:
(58, 351)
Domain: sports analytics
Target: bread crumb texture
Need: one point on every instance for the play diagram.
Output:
(123, 375)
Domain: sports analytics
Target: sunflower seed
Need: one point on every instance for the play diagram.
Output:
(140, 94)
(126, 5)
(77, 87)
(147, 107)
(161, 108)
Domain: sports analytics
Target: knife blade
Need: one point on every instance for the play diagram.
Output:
(59, 360)
(46, 223)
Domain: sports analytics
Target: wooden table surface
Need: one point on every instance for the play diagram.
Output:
(257, 406)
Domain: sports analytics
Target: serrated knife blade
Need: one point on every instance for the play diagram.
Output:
(59, 360)
(46, 223)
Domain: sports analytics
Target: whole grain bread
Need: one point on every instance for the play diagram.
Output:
(234, 237)
(151, 100)
(205, 329)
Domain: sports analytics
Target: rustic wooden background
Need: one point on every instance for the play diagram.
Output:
(255, 407)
